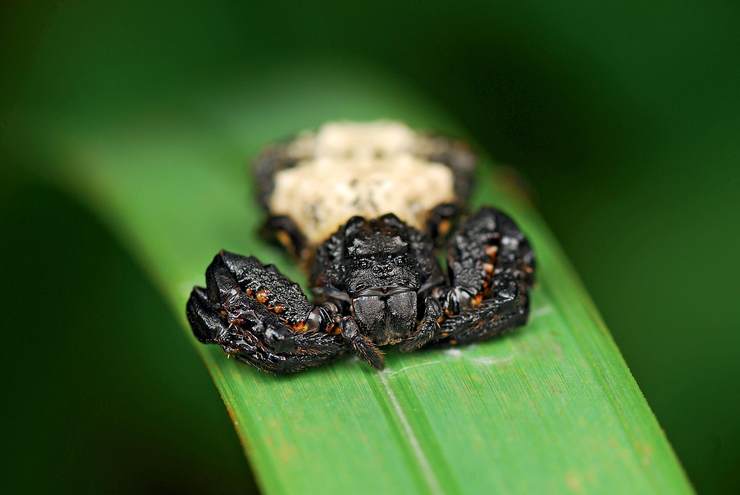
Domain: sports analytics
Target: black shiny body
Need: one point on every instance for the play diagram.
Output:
(375, 282)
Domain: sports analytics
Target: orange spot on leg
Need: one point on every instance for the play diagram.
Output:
(300, 327)
(284, 239)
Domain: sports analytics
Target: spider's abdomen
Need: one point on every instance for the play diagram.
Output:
(367, 170)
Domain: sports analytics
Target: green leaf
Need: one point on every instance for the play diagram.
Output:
(551, 408)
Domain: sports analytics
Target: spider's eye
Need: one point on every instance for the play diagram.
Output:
(363, 263)
(398, 260)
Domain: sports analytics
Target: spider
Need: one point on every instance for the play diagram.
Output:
(365, 207)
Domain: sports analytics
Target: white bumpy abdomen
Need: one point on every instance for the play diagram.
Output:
(359, 169)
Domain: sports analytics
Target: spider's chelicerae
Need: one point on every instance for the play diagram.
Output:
(364, 207)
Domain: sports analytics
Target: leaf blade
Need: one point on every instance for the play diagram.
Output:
(550, 408)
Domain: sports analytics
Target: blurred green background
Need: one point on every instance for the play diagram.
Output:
(624, 117)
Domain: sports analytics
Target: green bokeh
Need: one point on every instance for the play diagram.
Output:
(624, 117)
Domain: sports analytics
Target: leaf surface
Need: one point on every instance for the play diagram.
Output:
(551, 408)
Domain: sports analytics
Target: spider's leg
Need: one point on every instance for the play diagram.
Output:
(428, 329)
(491, 269)
(267, 165)
(361, 345)
(441, 221)
(279, 229)
(260, 317)
(488, 244)
(282, 230)
(505, 309)
(461, 161)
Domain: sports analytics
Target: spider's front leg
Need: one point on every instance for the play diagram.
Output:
(257, 315)
(491, 269)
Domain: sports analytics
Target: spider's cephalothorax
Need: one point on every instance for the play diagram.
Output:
(387, 197)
